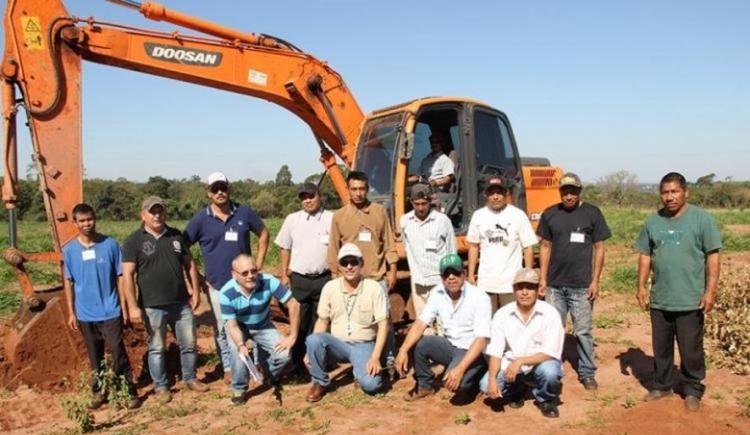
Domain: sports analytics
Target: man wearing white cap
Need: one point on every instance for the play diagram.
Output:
(526, 343)
(222, 230)
(354, 309)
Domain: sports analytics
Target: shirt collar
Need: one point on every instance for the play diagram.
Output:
(430, 216)
(232, 208)
(317, 215)
(154, 235)
(365, 209)
(535, 311)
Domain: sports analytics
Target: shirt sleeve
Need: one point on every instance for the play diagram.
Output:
(430, 310)
(193, 230)
(496, 347)
(129, 249)
(483, 317)
(554, 336)
(601, 229)
(543, 230)
(527, 235)
(389, 242)
(444, 166)
(643, 242)
(379, 306)
(117, 256)
(228, 312)
(67, 260)
(710, 234)
(254, 221)
(284, 238)
(279, 290)
(334, 239)
(324, 303)
(451, 235)
(473, 235)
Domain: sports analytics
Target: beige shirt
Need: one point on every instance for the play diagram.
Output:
(370, 229)
(353, 316)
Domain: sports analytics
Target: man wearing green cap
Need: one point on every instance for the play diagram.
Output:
(464, 311)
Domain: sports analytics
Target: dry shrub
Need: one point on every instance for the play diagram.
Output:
(728, 325)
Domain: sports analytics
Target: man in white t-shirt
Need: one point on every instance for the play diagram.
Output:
(437, 168)
(504, 236)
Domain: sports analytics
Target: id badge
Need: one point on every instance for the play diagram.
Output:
(324, 239)
(431, 245)
(88, 254)
(231, 236)
(576, 237)
(365, 235)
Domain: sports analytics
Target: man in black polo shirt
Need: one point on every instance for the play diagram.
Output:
(156, 256)
(572, 256)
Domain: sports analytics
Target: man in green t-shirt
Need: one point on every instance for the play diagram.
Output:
(680, 243)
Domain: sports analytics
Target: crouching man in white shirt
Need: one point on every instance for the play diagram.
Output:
(526, 343)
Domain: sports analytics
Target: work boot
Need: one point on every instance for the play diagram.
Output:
(549, 409)
(315, 393)
(197, 386)
(589, 384)
(97, 400)
(515, 402)
(238, 398)
(657, 394)
(135, 402)
(692, 403)
(163, 397)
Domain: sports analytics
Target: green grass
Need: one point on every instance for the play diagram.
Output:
(622, 279)
(608, 321)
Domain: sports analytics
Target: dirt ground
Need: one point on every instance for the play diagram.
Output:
(625, 368)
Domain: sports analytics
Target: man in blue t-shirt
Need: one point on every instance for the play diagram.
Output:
(222, 230)
(245, 300)
(92, 269)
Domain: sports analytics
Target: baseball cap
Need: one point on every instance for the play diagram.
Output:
(308, 188)
(150, 202)
(496, 182)
(451, 261)
(215, 177)
(526, 275)
(349, 250)
(570, 179)
(420, 191)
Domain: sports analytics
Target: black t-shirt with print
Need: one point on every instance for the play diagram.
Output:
(158, 265)
(572, 233)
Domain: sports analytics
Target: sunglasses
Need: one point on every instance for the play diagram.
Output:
(449, 272)
(349, 261)
(246, 273)
(219, 187)
(304, 196)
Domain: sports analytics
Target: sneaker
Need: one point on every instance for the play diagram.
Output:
(197, 386)
(549, 410)
(238, 398)
(417, 393)
(656, 395)
(589, 384)
(135, 402)
(97, 400)
(163, 397)
(692, 403)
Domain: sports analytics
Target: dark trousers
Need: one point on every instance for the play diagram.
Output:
(430, 349)
(687, 327)
(306, 290)
(95, 335)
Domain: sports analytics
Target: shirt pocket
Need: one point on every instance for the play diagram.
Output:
(364, 313)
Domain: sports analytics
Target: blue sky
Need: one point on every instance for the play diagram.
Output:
(596, 86)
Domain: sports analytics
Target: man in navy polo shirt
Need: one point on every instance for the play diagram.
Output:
(93, 266)
(244, 307)
(222, 230)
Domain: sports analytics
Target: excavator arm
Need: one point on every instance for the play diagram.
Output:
(44, 48)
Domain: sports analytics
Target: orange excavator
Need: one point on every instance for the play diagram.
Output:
(41, 74)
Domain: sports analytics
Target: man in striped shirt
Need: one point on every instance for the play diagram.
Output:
(244, 307)
(428, 236)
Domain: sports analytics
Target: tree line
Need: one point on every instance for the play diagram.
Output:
(120, 199)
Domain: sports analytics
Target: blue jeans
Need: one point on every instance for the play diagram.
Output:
(180, 318)
(431, 348)
(575, 301)
(264, 342)
(544, 380)
(323, 348)
(220, 332)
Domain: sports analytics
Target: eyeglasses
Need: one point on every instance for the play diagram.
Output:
(448, 272)
(349, 261)
(246, 273)
(219, 187)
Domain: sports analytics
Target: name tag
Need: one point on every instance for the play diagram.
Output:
(231, 236)
(576, 237)
(324, 239)
(365, 235)
(88, 254)
(431, 245)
